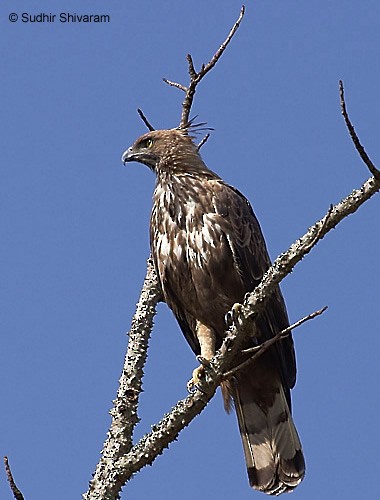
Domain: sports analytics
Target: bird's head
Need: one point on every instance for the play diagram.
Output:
(170, 150)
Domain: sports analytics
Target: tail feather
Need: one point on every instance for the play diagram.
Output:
(272, 448)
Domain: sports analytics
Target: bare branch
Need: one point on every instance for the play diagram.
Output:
(145, 120)
(192, 72)
(165, 432)
(206, 68)
(175, 84)
(203, 141)
(16, 492)
(322, 225)
(260, 349)
(105, 484)
(195, 77)
(355, 139)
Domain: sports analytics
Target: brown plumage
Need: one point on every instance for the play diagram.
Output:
(209, 251)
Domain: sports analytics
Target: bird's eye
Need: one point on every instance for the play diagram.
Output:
(149, 143)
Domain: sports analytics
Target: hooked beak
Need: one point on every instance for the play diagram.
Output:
(144, 157)
(128, 155)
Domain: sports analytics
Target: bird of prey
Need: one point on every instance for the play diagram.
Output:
(209, 251)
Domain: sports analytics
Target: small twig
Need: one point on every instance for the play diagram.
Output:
(259, 349)
(195, 77)
(145, 120)
(322, 226)
(206, 68)
(203, 141)
(192, 72)
(16, 492)
(355, 139)
(175, 84)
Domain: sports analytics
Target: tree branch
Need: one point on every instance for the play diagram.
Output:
(105, 483)
(259, 349)
(16, 492)
(355, 139)
(148, 125)
(203, 141)
(285, 263)
(195, 77)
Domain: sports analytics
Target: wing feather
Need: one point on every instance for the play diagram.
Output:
(251, 258)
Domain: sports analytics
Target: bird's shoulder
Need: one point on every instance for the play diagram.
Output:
(242, 229)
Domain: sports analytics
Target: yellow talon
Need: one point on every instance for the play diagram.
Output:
(197, 378)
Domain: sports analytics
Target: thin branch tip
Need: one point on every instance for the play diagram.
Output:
(196, 77)
(192, 72)
(175, 84)
(16, 492)
(258, 350)
(203, 141)
(145, 120)
(355, 139)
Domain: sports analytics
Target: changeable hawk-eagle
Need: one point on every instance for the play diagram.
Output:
(209, 251)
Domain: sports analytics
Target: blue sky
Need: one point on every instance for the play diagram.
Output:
(74, 226)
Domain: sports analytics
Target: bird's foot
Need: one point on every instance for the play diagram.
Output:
(199, 375)
(232, 317)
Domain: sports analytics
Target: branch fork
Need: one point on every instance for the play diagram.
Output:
(196, 77)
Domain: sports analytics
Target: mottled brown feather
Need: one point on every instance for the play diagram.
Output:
(209, 251)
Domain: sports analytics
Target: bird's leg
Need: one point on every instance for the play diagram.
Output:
(206, 339)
